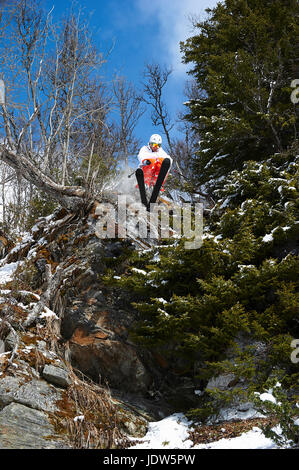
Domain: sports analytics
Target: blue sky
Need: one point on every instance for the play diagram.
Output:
(142, 31)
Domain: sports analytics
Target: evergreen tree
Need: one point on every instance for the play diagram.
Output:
(243, 280)
(244, 58)
(195, 305)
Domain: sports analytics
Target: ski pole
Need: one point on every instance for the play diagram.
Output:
(129, 176)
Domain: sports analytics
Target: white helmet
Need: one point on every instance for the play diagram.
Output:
(155, 139)
(155, 142)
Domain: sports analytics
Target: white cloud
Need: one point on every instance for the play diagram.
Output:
(173, 25)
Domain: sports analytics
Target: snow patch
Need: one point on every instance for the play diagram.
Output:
(268, 238)
(169, 433)
(7, 271)
(172, 433)
(140, 271)
(253, 439)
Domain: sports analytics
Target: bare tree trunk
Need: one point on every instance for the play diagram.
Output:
(71, 197)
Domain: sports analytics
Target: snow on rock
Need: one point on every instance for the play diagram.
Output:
(245, 411)
(48, 313)
(7, 271)
(179, 196)
(26, 239)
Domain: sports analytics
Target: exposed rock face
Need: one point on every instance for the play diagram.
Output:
(229, 382)
(40, 415)
(81, 326)
(101, 358)
(26, 428)
(90, 316)
(56, 376)
(36, 393)
(222, 382)
(5, 244)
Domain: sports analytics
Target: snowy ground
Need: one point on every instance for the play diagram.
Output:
(172, 433)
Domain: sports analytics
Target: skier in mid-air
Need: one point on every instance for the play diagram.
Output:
(152, 151)
(153, 169)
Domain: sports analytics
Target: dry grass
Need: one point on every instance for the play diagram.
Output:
(225, 430)
(101, 426)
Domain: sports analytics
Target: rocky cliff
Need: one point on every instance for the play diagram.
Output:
(69, 374)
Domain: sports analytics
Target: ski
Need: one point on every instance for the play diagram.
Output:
(161, 177)
(140, 180)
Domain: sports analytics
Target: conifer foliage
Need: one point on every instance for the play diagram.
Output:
(239, 291)
(243, 60)
(195, 304)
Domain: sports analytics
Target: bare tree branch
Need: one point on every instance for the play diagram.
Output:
(130, 110)
(54, 113)
(156, 79)
(69, 196)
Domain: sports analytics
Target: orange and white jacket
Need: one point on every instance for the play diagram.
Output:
(146, 153)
